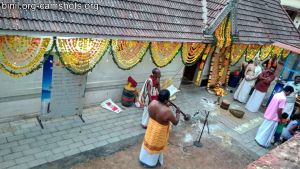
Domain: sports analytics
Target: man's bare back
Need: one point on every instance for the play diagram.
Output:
(162, 113)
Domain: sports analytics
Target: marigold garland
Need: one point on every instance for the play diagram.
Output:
(22, 55)
(265, 51)
(80, 55)
(207, 51)
(237, 51)
(284, 53)
(223, 33)
(191, 52)
(252, 50)
(277, 51)
(128, 54)
(163, 53)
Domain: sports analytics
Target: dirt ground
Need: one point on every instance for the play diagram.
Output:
(218, 152)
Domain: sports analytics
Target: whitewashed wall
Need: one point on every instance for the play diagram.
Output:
(21, 97)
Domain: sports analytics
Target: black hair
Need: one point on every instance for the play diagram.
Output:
(155, 70)
(289, 89)
(284, 115)
(295, 116)
(250, 61)
(297, 76)
(163, 96)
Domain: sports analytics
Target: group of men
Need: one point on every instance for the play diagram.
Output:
(157, 118)
(258, 78)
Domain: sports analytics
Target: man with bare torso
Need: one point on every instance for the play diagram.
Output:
(157, 133)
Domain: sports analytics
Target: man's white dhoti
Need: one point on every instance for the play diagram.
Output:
(266, 132)
(242, 92)
(145, 117)
(255, 101)
(289, 108)
(150, 160)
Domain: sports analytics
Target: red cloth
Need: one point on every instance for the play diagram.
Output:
(132, 81)
(155, 85)
(264, 81)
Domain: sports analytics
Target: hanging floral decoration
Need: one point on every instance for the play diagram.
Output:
(191, 52)
(252, 51)
(207, 51)
(277, 51)
(223, 33)
(128, 54)
(237, 51)
(22, 55)
(285, 53)
(163, 53)
(80, 55)
(265, 51)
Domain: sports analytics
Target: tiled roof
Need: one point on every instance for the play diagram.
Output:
(163, 19)
(264, 21)
(214, 8)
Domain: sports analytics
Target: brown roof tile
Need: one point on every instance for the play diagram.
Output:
(173, 19)
(264, 21)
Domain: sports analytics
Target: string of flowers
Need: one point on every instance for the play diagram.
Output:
(277, 51)
(206, 53)
(127, 54)
(284, 53)
(191, 52)
(265, 51)
(252, 51)
(81, 55)
(17, 74)
(21, 55)
(237, 51)
(223, 33)
(163, 53)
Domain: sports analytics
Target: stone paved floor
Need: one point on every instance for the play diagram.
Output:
(23, 144)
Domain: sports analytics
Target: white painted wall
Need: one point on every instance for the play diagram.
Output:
(21, 97)
(297, 21)
(291, 3)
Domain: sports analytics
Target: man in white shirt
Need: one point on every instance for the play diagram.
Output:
(291, 99)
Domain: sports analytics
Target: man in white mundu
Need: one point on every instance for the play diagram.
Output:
(291, 99)
(251, 73)
(149, 92)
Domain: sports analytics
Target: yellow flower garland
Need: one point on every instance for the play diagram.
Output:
(252, 50)
(191, 52)
(277, 51)
(164, 52)
(223, 33)
(127, 54)
(237, 51)
(284, 53)
(21, 52)
(265, 51)
(80, 55)
(208, 49)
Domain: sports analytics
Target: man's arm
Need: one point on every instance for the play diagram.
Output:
(279, 112)
(149, 91)
(174, 119)
(293, 129)
(158, 84)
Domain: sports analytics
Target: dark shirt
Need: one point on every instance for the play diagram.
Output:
(263, 84)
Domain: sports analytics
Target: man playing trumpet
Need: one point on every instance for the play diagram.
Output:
(157, 133)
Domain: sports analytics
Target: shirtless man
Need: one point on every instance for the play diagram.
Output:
(157, 133)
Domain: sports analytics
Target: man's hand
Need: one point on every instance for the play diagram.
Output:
(178, 111)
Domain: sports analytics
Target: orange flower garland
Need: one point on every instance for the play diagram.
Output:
(252, 50)
(22, 55)
(163, 53)
(80, 55)
(191, 52)
(207, 51)
(237, 51)
(265, 51)
(284, 53)
(277, 51)
(223, 33)
(128, 54)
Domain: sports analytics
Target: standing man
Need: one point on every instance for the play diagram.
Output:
(272, 114)
(272, 62)
(262, 85)
(149, 92)
(291, 99)
(157, 133)
(251, 73)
